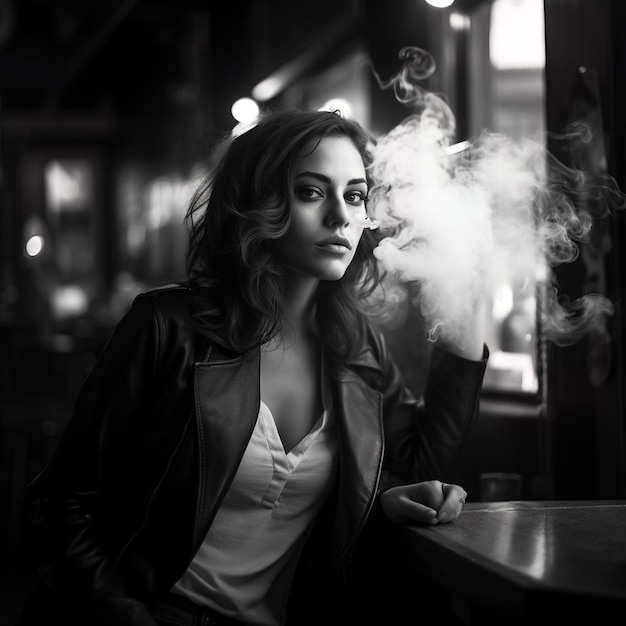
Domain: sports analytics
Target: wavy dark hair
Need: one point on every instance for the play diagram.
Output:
(236, 214)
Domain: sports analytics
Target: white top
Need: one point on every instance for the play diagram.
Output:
(246, 563)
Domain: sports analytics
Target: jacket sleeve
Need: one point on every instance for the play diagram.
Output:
(69, 503)
(424, 436)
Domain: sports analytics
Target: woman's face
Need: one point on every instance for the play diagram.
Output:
(327, 214)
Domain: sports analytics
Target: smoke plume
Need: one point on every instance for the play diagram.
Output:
(458, 219)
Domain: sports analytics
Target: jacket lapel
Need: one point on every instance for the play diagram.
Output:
(227, 398)
(358, 414)
(227, 401)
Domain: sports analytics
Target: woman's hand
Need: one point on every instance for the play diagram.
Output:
(430, 502)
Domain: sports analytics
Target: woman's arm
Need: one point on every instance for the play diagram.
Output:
(423, 437)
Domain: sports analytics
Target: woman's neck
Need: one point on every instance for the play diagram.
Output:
(299, 305)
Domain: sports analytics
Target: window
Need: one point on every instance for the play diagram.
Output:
(506, 67)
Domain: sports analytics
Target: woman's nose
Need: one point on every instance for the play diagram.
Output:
(337, 211)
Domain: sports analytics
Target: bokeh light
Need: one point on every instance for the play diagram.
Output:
(440, 4)
(245, 110)
(34, 245)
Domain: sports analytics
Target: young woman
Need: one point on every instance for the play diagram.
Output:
(243, 434)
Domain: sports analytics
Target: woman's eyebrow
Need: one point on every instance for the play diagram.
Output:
(325, 179)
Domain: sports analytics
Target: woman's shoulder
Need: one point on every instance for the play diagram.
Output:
(171, 294)
(171, 303)
(169, 310)
(177, 309)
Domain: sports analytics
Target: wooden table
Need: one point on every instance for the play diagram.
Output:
(528, 562)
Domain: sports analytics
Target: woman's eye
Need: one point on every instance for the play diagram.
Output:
(308, 193)
(355, 197)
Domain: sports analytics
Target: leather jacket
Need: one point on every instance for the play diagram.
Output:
(157, 434)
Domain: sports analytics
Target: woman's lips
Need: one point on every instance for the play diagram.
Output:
(339, 245)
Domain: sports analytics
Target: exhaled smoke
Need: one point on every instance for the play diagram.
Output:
(455, 224)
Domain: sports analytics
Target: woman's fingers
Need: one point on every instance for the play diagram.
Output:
(416, 511)
(454, 497)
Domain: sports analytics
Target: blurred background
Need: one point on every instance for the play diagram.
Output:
(109, 114)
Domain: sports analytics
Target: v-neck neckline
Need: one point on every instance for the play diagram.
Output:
(299, 450)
